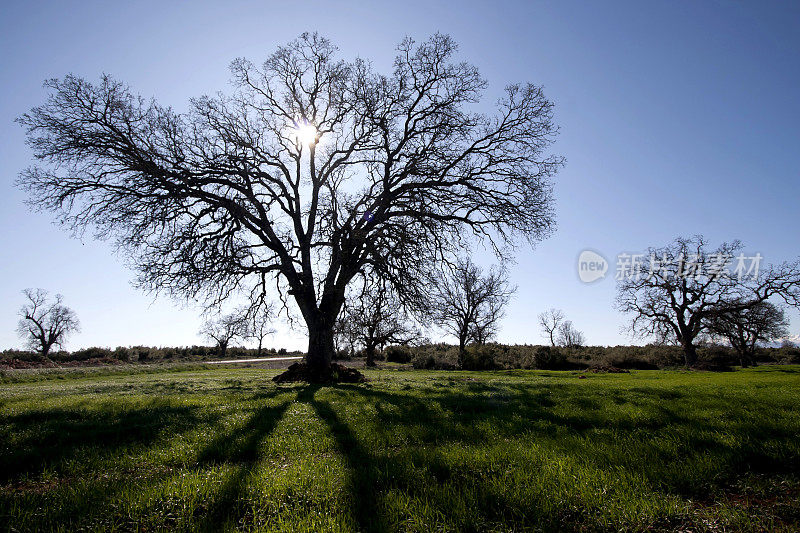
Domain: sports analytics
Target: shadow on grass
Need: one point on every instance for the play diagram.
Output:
(782, 369)
(362, 484)
(240, 448)
(398, 445)
(411, 471)
(43, 438)
(685, 444)
(54, 435)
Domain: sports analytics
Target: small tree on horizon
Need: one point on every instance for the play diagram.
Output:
(467, 303)
(746, 328)
(376, 318)
(44, 323)
(259, 322)
(569, 337)
(550, 321)
(224, 329)
(683, 287)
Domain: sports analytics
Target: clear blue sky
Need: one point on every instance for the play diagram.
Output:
(676, 118)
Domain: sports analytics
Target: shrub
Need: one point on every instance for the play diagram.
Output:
(624, 357)
(435, 357)
(142, 353)
(715, 359)
(549, 358)
(429, 362)
(121, 354)
(423, 362)
(342, 355)
(787, 355)
(21, 355)
(87, 353)
(398, 354)
(480, 358)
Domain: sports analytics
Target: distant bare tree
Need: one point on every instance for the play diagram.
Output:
(468, 304)
(549, 321)
(745, 328)
(45, 323)
(570, 337)
(225, 329)
(313, 170)
(259, 322)
(681, 288)
(376, 318)
(345, 335)
(789, 343)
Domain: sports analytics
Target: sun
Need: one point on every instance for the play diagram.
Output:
(306, 134)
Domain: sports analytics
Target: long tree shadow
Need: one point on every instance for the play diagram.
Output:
(240, 448)
(241, 444)
(411, 470)
(528, 404)
(360, 462)
(55, 436)
(44, 438)
(454, 416)
(237, 448)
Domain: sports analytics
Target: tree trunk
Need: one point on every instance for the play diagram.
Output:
(258, 352)
(320, 348)
(370, 351)
(743, 360)
(747, 358)
(222, 349)
(321, 323)
(689, 353)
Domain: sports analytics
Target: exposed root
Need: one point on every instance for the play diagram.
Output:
(336, 373)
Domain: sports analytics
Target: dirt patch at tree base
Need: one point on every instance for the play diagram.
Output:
(335, 374)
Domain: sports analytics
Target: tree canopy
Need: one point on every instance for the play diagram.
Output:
(312, 170)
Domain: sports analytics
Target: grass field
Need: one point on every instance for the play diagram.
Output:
(225, 448)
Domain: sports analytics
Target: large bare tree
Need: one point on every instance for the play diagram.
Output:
(678, 290)
(312, 170)
(467, 303)
(45, 322)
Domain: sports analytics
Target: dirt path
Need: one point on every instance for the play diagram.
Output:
(258, 360)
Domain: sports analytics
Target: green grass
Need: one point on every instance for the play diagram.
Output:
(216, 449)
